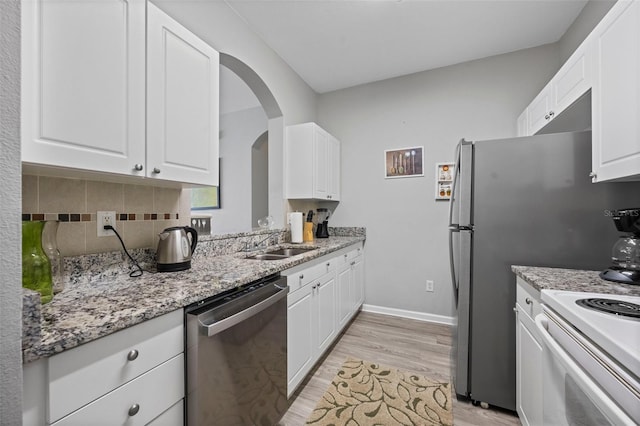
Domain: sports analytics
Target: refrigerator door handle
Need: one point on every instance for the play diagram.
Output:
(454, 227)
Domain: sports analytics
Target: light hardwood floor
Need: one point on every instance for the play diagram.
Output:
(406, 344)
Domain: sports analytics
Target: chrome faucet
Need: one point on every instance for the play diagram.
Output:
(258, 245)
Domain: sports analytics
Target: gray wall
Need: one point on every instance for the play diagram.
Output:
(586, 21)
(260, 179)
(239, 131)
(406, 228)
(10, 201)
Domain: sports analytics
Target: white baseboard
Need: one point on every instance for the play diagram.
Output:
(420, 316)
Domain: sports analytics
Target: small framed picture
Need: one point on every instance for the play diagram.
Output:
(444, 180)
(405, 162)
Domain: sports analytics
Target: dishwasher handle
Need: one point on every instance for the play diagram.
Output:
(219, 326)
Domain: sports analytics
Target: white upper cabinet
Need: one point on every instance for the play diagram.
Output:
(539, 111)
(616, 94)
(182, 103)
(607, 63)
(104, 92)
(572, 81)
(312, 163)
(83, 84)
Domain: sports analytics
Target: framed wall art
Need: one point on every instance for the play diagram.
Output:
(404, 162)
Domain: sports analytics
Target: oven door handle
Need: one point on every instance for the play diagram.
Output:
(586, 384)
(219, 326)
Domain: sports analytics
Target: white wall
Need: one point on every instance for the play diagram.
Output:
(10, 201)
(406, 228)
(239, 130)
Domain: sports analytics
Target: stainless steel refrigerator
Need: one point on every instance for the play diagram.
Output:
(520, 201)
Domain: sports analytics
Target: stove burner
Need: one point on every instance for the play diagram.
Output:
(611, 306)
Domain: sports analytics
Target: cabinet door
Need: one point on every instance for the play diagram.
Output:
(358, 282)
(320, 163)
(83, 84)
(300, 336)
(616, 94)
(182, 107)
(538, 112)
(325, 321)
(343, 299)
(572, 80)
(529, 354)
(333, 168)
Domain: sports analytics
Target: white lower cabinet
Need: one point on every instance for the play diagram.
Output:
(529, 355)
(311, 321)
(172, 417)
(133, 377)
(324, 294)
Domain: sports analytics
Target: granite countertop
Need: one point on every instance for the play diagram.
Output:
(572, 280)
(92, 310)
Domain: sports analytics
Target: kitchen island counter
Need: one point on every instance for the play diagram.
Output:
(95, 307)
(541, 278)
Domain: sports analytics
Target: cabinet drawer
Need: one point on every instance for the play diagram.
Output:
(301, 278)
(83, 374)
(352, 254)
(174, 416)
(153, 392)
(528, 298)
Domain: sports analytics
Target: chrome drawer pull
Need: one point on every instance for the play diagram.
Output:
(528, 301)
(133, 410)
(132, 355)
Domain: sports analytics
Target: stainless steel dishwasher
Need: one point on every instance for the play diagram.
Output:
(237, 356)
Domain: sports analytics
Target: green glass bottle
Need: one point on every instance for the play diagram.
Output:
(36, 269)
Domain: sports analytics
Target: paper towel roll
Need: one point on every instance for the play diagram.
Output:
(295, 220)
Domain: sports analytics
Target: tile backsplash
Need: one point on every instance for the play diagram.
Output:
(142, 212)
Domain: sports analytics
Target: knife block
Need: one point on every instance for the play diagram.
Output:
(307, 232)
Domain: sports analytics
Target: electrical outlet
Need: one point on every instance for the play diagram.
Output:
(106, 218)
(429, 285)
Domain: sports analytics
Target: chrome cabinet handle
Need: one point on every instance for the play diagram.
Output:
(528, 301)
(132, 355)
(551, 114)
(593, 175)
(328, 264)
(515, 309)
(353, 263)
(138, 167)
(301, 276)
(156, 170)
(546, 117)
(133, 410)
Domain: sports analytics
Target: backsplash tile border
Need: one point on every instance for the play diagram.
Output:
(91, 217)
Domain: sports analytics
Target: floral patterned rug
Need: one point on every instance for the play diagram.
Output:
(365, 394)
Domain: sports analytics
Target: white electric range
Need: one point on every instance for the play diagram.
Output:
(591, 358)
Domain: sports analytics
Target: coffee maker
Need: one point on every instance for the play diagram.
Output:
(322, 230)
(625, 254)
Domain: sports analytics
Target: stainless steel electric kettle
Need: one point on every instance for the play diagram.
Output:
(174, 249)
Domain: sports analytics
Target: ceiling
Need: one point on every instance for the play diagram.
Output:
(334, 44)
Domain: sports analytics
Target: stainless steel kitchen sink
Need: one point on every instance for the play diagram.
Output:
(291, 251)
(281, 253)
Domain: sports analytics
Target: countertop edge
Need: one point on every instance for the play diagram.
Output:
(551, 278)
